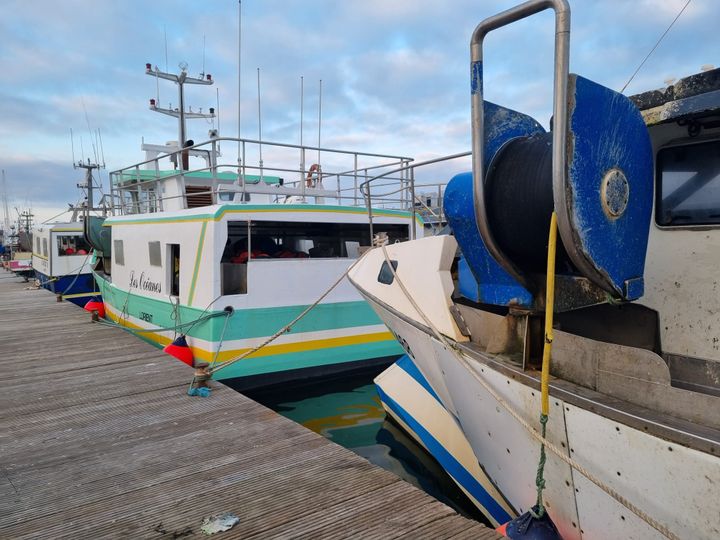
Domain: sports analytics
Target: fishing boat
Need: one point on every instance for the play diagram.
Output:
(19, 258)
(220, 256)
(61, 261)
(61, 255)
(575, 375)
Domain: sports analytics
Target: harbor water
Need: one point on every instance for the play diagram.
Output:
(348, 412)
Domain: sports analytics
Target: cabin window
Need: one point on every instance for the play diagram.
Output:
(155, 257)
(688, 185)
(293, 240)
(174, 252)
(233, 263)
(72, 245)
(45, 247)
(386, 275)
(37, 245)
(118, 252)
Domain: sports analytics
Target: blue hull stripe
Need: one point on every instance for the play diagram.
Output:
(448, 462)
(409, 367)
(84, 284)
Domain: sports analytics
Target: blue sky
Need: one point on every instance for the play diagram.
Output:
(395, 72)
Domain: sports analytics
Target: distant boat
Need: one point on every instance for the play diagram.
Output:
(62, 256)
(62, 259)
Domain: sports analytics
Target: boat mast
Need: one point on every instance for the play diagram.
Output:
(6, 212)
(179, 112)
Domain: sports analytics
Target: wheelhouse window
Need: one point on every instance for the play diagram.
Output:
(45, 247)
(233, 264)
(688, 185)
(37, 245)
(155, 253)
(118, 252)
(293, 240)
(386, 276)
(72, 245)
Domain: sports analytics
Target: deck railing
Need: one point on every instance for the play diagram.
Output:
(436, 213)
(334, 176)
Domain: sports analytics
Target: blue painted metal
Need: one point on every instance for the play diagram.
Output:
(408, 366)
(493, 284)
(84, 284)
(476, 78)
(607, 132)
(453, 467)
(608, 146)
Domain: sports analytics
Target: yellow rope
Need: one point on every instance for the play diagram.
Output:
(288, 326)
(549, 306)
(661, 528)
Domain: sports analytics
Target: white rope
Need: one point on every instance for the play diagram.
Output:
(662, 529)
(289, 325)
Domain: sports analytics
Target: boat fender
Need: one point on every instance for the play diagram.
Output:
(530, 527)
(95, 305)
(180, 349)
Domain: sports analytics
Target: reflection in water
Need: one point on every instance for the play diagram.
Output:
(348, 411)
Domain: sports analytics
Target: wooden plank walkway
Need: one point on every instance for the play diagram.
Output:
(99, 440)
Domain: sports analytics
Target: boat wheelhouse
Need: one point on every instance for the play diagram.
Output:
(632, 408)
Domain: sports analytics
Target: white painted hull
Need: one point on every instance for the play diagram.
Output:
(678, 486)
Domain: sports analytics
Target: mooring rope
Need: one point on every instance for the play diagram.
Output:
(77, 275)
(39, 283)
(547, 354)
(662, 529)
(289, 325)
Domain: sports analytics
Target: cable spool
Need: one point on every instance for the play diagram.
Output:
(519, 201)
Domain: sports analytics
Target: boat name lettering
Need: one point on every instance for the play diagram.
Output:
(143, 283)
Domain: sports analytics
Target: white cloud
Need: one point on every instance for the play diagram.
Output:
(395, 73)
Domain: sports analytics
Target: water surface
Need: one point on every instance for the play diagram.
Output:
(348, 412)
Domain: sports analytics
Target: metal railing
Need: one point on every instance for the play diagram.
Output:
(136, 188)
(409, 171)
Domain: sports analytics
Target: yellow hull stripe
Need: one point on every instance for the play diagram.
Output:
(80, 295)
(268, 350)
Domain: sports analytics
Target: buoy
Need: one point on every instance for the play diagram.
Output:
(95, 305)
(180, 350)
(529, 527)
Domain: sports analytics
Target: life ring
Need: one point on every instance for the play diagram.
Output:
(314, 168)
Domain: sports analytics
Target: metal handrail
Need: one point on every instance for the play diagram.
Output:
(561, 69)
(143, 191)
(365, 186)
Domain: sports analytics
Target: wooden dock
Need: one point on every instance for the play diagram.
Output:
(98, 439)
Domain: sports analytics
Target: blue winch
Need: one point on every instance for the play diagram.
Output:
(594, 168)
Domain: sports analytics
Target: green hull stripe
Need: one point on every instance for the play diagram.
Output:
(197, 263)
(305, 359)
(235, 209)
(245, 323)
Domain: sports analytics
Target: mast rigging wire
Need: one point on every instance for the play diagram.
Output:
(655, 46)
